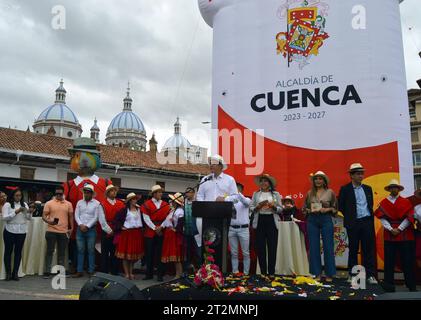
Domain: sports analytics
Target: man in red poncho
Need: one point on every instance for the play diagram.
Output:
(416, 203)
(154, 211)
(111, 205)
(85, 160)
(397, 217)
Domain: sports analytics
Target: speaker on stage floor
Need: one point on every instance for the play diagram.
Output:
(400, 296)
(103, 286)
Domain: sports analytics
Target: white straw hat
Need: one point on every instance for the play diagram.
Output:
(218, 159)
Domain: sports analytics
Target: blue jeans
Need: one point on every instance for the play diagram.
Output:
(86, 241)
(242, 236)
(321, 225)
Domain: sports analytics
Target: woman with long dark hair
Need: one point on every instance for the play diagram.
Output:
(130, 243)
(266, 206)
(320, 205)
(16, 215)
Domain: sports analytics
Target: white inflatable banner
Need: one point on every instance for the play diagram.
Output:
(324, 80)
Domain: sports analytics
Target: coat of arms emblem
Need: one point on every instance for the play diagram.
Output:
(305, 35)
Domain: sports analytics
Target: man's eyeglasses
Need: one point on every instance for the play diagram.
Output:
(59, 194)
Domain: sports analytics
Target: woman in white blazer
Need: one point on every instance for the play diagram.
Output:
(265, 207)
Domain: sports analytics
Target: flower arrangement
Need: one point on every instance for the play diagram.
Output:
(209, 273)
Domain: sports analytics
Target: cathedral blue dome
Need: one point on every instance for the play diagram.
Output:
(58, 111)
(126, 120)
(177, 141)
(126, 129)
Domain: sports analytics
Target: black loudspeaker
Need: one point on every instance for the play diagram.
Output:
(108, 287)
(400, 296)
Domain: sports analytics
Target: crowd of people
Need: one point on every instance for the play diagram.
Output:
(161, 233)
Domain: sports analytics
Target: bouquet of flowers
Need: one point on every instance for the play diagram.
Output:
(209, 273)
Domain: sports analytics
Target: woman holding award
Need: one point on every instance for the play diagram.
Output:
(319, 206)
(265, 207)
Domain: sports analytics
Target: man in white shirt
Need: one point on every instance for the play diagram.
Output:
(88, 212)
(239, 230)
(154, 211)
(215, 187)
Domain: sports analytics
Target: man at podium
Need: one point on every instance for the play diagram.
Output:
(217, 186)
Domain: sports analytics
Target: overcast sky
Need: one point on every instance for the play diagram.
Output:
(163, 47)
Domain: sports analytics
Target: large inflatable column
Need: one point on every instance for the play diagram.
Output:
(324, 79)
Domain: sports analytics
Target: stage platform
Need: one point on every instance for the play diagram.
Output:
(262, 288)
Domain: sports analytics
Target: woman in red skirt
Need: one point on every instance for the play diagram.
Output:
(129, 237)
(172, 249)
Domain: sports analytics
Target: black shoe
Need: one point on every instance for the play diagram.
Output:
(15, 277)
(147, 278)
(46, 275)
(413, 290)
(8, 277)
(390, 288)
(160, 279)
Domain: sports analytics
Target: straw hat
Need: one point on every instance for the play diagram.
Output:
(217, 158)
(288, 198)
(130, 196)
(320, 174)
(356, 167)
(156, 188)
(265, 176)
(89, 187)
(178, 198)
(394, 183)
(109, 188)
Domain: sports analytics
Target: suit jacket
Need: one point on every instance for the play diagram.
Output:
(347, 203)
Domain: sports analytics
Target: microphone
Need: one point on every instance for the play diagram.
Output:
(208, 177)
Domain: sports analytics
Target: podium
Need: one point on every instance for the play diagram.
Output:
(216, 217)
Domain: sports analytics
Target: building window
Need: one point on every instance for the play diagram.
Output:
(161, 183)
(412, 113)
(414, 135)
(417, 158)
(417, 182)
(27, 173)
(69, 134)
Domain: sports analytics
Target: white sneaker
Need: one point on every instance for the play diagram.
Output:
(372, 280)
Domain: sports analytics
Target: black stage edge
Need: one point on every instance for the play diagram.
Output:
(282, 288)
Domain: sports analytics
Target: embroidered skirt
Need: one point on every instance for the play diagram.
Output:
(172, 248)
(130, 245)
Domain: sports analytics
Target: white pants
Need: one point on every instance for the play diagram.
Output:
(198, 237)
(242, 236)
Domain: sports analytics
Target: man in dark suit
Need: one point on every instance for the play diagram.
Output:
(356, 204)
